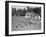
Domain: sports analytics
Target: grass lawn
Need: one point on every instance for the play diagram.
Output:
(19, 24)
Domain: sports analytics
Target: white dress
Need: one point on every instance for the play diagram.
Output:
(27, 15)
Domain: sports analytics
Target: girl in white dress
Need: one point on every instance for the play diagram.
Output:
(27, 17)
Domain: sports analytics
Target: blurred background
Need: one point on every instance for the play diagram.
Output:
(21, 10)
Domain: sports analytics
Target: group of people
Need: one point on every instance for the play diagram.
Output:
(31, 15)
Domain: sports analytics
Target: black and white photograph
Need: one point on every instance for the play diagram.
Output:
(25, 18)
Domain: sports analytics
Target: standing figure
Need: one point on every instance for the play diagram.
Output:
(27, 17)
